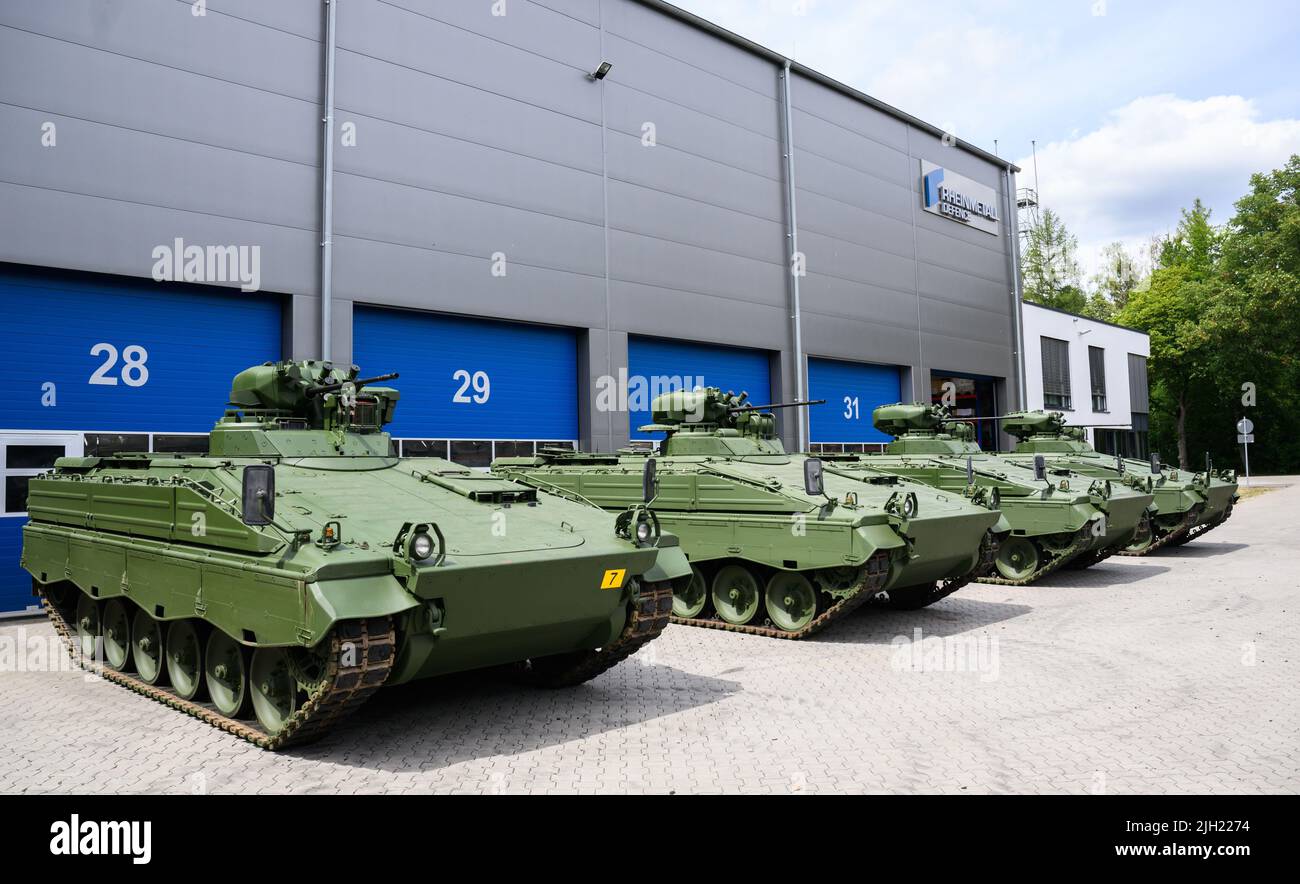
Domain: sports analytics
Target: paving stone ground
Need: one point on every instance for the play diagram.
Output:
(1177, 673)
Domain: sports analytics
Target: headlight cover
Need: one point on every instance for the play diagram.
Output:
(415, 543)
(644, 531)
(421, 547)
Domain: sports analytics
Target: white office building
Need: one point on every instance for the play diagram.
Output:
(1095, 372)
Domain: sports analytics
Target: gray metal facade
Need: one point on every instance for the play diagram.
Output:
(479, 134)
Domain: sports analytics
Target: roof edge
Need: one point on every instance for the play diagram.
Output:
(772, 55)
(1136, 331)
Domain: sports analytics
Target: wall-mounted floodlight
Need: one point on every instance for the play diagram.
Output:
(601, 72)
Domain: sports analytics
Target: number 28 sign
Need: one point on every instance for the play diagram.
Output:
(133, 371)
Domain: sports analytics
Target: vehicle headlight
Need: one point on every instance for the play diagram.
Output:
(909, 506)
(421, 547)
(644, 531)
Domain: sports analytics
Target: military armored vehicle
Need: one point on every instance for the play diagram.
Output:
(1057, 516)
(273, 584)
(1186, 505)
(778, 546)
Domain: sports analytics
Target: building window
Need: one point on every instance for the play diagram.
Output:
(1097, 373)
(105, 444)
(1056, 374)
(513, 449)
(478, 453)
(181, 443)
(21, 460)
(424, 448)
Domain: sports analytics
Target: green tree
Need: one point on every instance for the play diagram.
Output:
(1195, 246)
(1173, 310)
(1222, 307)
(1050, 266)
(1116, 278)
(1259, 316)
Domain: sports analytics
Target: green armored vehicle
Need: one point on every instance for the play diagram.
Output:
(1187, 506)
(272, 585)
(778, 546)
(1057, 516)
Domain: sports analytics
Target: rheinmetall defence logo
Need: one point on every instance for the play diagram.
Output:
(958, 198)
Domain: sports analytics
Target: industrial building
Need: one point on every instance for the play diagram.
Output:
(539, 212)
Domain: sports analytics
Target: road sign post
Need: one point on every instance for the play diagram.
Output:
(1246, 435)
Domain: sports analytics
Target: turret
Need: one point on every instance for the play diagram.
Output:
(924, 428)
(707, 421)
(1045, 432)
(305, 408)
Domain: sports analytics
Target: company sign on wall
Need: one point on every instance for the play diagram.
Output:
(958, 198)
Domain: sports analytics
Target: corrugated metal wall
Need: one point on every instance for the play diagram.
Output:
(477, 135)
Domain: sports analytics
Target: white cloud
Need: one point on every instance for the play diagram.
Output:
(1128, 179)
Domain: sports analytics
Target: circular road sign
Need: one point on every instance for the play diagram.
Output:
(1245, 426)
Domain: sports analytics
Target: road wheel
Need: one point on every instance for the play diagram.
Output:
(147, 648)
(791, 601)
(90, 626)
(117, 635)
(185, 659)
(1144, 536)
(273, 688)
(736, 596)
(690, 601)
(226, 675)
(1017, 558)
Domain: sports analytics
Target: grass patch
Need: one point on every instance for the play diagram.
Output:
(1253, 491)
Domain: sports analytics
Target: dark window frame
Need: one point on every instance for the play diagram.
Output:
(1056, 373)
(1097, 377)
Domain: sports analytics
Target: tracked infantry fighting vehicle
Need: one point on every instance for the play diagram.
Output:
(1057, 516)
(272, 585)
(1186, 505)
(778, 546)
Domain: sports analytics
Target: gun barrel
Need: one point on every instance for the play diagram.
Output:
(1003, 417)
(774, 405)
(358, 383)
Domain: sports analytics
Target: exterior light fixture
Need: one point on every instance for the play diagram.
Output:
(601, 72)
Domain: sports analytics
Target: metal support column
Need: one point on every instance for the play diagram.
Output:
(327, 192)
(792, 234)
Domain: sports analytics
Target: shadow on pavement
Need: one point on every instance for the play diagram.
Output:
(1197, 549)
(877, 625)
(1115, 571)
(430, 724)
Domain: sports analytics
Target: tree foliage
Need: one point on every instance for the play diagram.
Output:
(1050, 265)
(1221, 309)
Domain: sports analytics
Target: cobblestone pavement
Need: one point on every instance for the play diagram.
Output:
(1172, 674)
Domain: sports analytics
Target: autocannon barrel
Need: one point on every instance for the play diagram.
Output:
(317, 389)
(769, 405)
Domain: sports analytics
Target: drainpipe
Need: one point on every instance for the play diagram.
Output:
(327, 193)
(1013, 255)
(792, 234)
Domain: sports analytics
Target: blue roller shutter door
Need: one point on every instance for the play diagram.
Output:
(467, 378)
(677, 364)
(92, 354)
(851, 390)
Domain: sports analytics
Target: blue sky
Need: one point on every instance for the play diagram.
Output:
(1137, 107)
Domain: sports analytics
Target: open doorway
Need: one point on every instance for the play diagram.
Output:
(969, 395)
